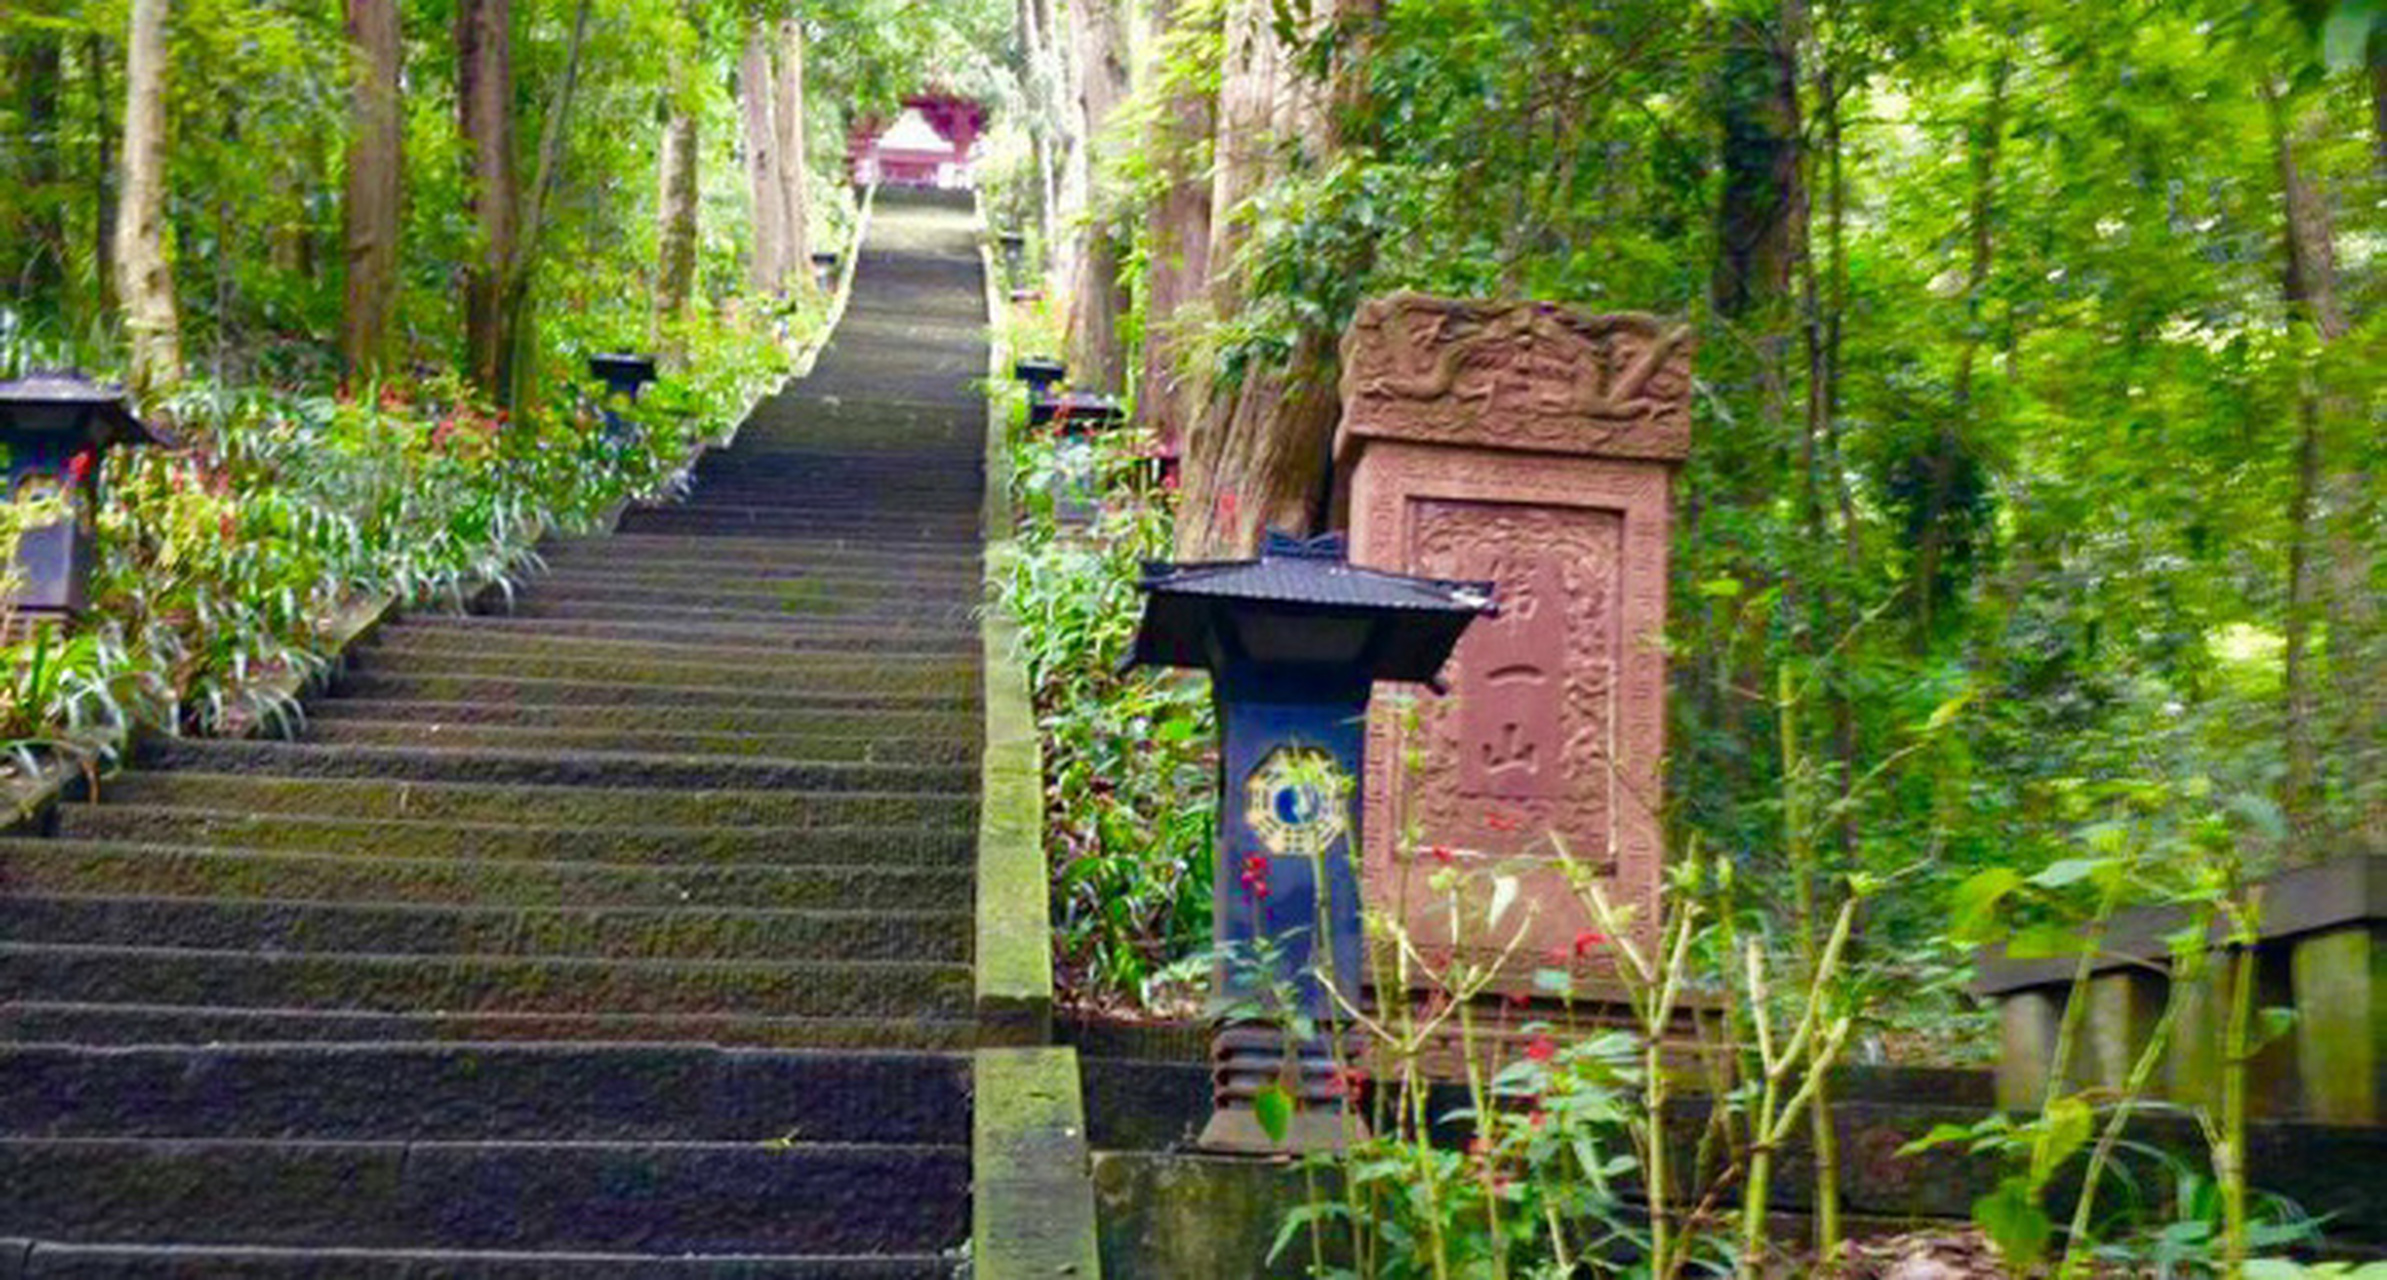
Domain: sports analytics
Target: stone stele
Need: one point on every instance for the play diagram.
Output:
(1534, 446)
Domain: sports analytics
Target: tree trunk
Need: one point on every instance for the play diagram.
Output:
(35, 258)
(369, 215)
(485, 121)
(675, 272)
(146, 272)
(103, 173)
(1178, 230)
(2329, 555)
(1763, 196)
(1240, 151)
(1034, 87)
(517, 320)
(1273, 460)
(787, 116)
(762, 172)
(1097, 294)
(1948, 447)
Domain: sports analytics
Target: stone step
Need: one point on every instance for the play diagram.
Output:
(69, 1022)
(857, 577)
(951, 531)
(776, 582)
(953, 725)
(931, 619)
(273, 758)
(46, 1260)
(827, 636)
(283, 925)
(656, 1198)
(492, 641)
(780, 746)
(537, 690)
(574, 1092)
(784, 672)
(623, 844)
(630, 548)
(97, 868)
(544, 806)
(529, 984)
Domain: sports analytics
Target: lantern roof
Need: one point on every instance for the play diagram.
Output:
(1190, 608)
(111, 417)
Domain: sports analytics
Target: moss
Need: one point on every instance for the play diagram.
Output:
(1033, 1201)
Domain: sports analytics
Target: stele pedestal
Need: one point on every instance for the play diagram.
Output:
(1534, 446)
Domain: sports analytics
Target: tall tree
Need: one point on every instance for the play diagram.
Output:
(143, 256)
(787, 122)
(1177, 234)
(485, 120)
(762, 168)
(369, 215)
(675, 274)
(34, 258)
(1097, 297)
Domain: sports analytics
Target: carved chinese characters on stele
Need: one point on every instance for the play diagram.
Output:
(1535, 447)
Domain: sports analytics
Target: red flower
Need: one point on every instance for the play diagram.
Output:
(1169, 482)
(1346, 1082)
(1254, 877)
(1538, 1118)
(1542, 1049)
(1442, 853)
(1503, 821)
(78, 468)
(1587, 940)
(227, 526)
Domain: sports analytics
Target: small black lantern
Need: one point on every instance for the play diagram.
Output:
(1040, 373)
(824, 270)
(1293, 641)
(624, 374)
(1078, 413)
(1015, 255)
(54, 426)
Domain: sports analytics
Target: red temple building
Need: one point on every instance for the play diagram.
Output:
(930, 143)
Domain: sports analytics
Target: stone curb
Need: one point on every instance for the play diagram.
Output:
(1031, 1179)
(1014, 955)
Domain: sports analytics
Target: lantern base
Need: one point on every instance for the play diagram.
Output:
(1248, 1058)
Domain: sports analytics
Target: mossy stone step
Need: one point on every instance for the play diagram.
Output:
(659, 1198)
(630, 548)
(574, 771)
(896, 532)
(672, 579)
(557, 984)
(959, 637)
(779, 746)
(494, 1090)
(633, 933)
(622, 844)
(860, 577)
(467, 687)
(133, 1025)
(85, 867)
(494, 641)
(838, 674)
(936, 619)
(949, 725)
(796, 596)
(543, 806)
(45, 1260)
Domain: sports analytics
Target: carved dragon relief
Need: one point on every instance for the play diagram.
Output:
(1531, 373)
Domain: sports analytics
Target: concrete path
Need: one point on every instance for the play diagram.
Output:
(625, 933)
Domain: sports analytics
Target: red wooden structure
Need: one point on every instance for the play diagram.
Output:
(930, 143)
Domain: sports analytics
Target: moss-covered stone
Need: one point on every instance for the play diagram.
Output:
(1032, 1192)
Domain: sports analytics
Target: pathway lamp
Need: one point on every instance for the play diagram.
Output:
(824, 270)
(1293, 641)
(54, 426)
(624, 374)
(1040, 373)
(1078, 413)
(1015, 256)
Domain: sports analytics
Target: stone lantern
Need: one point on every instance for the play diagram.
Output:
(1293, 641)
(54, 426)
(1015, 255)
(824, 270)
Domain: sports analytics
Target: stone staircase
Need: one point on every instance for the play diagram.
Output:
(623, 932)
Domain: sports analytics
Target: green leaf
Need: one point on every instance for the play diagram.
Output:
(2012, 1219)
(1940, 1135)
(1273, 1107)
(1973, 906)
(1720, 588)
(1504, 896)
(2044, 942)
(2062, 1130)
(2070, 871)
(2275, 1269)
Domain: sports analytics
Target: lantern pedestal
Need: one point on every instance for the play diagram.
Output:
(53, 429)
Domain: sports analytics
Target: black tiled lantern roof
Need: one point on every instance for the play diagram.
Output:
(111, 417)
(1188, 607)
